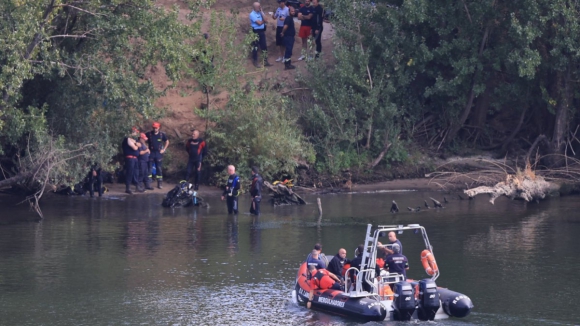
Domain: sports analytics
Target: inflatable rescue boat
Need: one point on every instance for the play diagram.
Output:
(388, 296)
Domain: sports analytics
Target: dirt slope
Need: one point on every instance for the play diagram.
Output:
(181, 105)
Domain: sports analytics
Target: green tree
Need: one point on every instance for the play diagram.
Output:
(74, 77)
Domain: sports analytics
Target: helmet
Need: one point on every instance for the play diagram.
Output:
(396, 248)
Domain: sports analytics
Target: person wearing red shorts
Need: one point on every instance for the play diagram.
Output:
(305, 16)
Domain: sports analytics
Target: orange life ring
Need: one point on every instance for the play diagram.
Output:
(429, 263)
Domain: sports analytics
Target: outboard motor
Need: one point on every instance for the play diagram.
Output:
(454, 303)
(404, 303)
(428, 300)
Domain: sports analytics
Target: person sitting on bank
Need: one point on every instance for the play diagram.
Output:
(322, 279)
(397, 262)
(337, 262)
(314, 260)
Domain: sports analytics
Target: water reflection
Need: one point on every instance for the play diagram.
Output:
(130, 261)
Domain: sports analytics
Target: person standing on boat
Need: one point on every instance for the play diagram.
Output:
(397, 262)
(256, 191)
(232, 190)
(322, 279)
(392, 240)
(314, 260)
(357, 262)
(337, 262)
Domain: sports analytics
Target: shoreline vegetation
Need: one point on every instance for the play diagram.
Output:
(467, 95)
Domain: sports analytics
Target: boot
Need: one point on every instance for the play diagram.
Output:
(140, 187)
(256, 64)
(128, 190)
(148, 185)
(267, 64)
(160, 184)
(288, 65)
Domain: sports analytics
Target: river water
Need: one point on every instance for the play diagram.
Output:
(129, 261)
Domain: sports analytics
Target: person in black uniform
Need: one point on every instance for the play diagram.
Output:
(232, 190)
(288, 33)
(256, 191)
(397, 262)
(357, 264)
(316, 21)
(144, 164)
(337, 262)
(158, 143)
(196, 148)
(131, 153)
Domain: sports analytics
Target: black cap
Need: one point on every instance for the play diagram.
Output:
(281, 1)
(318, 246)
(255, 169)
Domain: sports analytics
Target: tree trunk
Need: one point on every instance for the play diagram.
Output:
(561, 122)
(467, 109)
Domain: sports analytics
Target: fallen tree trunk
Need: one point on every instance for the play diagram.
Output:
(282, 195)
(526, 186)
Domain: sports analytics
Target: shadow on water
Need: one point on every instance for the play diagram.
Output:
(127, 260)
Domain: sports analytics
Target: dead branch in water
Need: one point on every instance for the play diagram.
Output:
(531, 183)
(524, 185)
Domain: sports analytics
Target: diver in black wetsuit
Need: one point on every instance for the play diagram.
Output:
(256, 191)
(232, 190)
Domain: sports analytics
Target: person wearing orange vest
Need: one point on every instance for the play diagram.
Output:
(323, 279)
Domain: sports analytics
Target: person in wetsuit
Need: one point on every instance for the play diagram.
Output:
(196, 147)
(94, 181)
(256, 191)
(322, 279)
(232, 190)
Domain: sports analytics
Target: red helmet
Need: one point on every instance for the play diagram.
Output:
(156, 125)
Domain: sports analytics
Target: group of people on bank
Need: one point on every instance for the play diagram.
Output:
(390, 258)
(142, 152)
(310, 14)
(143, 155)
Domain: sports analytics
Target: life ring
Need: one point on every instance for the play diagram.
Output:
(429, 263)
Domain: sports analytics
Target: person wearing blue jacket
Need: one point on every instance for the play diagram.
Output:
(232, 190)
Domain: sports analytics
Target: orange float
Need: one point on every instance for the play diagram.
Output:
(429, 263)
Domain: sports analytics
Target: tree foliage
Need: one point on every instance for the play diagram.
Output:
(75, 75)
(483, 73)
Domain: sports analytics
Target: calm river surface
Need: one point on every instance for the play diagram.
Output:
(129, 261)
